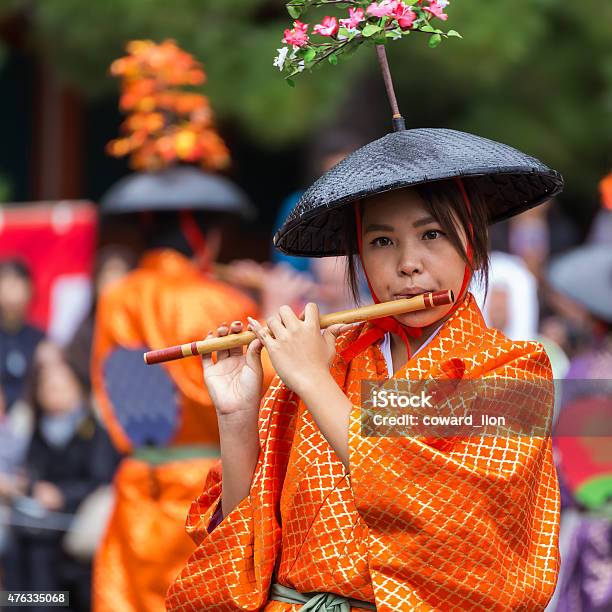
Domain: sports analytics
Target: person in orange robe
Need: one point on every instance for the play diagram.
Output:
(160, 416)
(165, 301)
(306, 510)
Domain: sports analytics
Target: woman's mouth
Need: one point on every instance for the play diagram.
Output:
(408, 293)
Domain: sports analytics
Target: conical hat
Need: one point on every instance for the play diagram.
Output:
(508, 180)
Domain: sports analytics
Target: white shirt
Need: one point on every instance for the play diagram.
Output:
(385, 347)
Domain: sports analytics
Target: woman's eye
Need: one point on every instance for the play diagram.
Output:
(432, 234)
(381, 241)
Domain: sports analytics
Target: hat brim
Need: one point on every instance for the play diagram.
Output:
(509, 181)
(176, 188)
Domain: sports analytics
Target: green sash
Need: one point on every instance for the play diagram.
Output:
(317, 602)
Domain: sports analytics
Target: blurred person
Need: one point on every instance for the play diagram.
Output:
(326, 151)
(270, 285)
(68, 457)
(529, 238)
(12, 449)
(18, 339)
(601, 228)
(113, 262)
(276, 284)
(583, 446)
(331, 292)
(511, 302)
(161, 416)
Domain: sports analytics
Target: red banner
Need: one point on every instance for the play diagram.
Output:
(57, 242)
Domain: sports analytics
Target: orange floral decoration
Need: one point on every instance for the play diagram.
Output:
(166, 123)
(605, 190)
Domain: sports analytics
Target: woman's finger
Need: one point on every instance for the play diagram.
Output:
(288, 317)
(236, 328)
(253, 355)
(311, 314)
(262, 333)
(207, 360)
(222, 330)
(276, 326)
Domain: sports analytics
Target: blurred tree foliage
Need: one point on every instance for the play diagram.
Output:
(534, 73)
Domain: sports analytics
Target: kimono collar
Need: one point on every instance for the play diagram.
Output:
(168, 261)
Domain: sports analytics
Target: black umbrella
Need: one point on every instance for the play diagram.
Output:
(176, 188)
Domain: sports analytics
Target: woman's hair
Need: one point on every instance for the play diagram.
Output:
(444, 201)
(16, 267)
(35, 375)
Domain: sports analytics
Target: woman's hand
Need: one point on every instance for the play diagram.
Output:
(299, 352)
(235, 381)
(48, 495)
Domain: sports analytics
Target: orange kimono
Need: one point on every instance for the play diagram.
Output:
(466, 524)
(163, 409)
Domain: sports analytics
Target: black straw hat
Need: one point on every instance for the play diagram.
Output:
(509, 181)
(176, 188)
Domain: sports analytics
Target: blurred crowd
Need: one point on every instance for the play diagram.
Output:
(57, 461)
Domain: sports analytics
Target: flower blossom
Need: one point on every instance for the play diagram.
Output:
(356, 16)
(279, 60)
(404, 15)
(328, 27)
(436, 8)
(297, 37)
(384, 8)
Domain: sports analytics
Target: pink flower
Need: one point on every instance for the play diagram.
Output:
(328, 27)
(298, 36)
(356, 16)
(436, 8)
(404, 15)
(382, 9)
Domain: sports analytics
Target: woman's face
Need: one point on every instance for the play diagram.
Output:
(58, 390)
(406, 252)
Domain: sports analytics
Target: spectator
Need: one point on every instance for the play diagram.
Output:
(68, 457)
(12, 448)
(18, 339)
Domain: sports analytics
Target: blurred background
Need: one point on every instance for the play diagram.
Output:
(535, 74)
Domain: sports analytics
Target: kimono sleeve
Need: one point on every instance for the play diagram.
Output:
(232, 566)
(472, 525)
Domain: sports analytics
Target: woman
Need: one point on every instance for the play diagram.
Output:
(311, 512)
(68, 457)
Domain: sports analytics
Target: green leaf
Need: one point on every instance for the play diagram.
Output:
(454, 33)
(427, 28)
(290, 82)
(333, 59)
(397, 33)
(434, 40)
(310, 55)
(370, 30)
(294, 11)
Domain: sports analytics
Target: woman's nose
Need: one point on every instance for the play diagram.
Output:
(410, 263)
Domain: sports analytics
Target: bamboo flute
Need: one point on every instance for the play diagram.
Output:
(354, 315)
